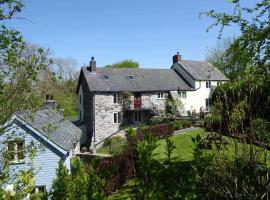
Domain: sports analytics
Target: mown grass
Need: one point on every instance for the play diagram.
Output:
(184, 153)
(113, 146)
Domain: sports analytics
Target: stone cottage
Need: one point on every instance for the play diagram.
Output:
(110, 97)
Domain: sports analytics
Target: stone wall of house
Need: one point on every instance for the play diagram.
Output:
(104, 115)
(151, 100)
(105, 109)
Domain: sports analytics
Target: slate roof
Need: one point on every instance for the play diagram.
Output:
(144, 80)
(53, 126)
(202, 70)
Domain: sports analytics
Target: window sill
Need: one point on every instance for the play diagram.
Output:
(17, 162)
(160, 98)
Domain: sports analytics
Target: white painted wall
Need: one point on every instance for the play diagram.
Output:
(196, 99)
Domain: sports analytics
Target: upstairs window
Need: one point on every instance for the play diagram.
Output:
(117, 118)
(80, 99)
(130, 77)
(116, 98)
(106, 77)
(160, 95)
(48, 97)
(15, 151)
(208, 84)
(182, 94)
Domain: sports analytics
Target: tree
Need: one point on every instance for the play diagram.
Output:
(81, 183)
(252, 47)
(125, 64)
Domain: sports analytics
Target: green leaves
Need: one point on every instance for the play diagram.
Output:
(125, 64)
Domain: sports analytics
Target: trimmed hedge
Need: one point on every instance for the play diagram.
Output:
(160, 131)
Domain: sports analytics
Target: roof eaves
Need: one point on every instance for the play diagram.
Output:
(41, 135)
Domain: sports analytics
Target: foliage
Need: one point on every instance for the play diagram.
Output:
(177, 125)
(252, 48)
(145, 155)
(125, 64)
(174, 107)
(81, 183)
(159, 131)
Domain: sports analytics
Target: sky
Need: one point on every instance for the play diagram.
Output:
(147, 31)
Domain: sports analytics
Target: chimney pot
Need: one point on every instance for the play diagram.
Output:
(176, 58)
(92, 65)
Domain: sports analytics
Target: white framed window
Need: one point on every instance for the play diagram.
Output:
(160, 95)
(16, 151)
(137, 117)
(208, 84)
(219, 83)
(117, 118)
(117, 98)
(182, 94)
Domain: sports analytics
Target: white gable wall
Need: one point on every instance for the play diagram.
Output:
(196, 99)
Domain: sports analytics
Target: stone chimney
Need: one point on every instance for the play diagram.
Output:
(92, 65)
(176, 58)
(49, 102)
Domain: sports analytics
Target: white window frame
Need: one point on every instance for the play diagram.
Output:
(117, 116)
(16, 159)
(160, 95)
(208, 84)
(219, 83)
(181, 94)
(115, 98)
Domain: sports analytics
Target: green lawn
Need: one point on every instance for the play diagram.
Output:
(113, 146)
(183, 144)
(182, 152)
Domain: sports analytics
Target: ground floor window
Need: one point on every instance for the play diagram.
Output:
(137, 116)
(182, 94)
(117, 118)
(39, 192)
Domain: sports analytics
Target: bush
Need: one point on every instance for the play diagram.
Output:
(157, 120)
(186, 123)
(177, 125)
(159, 131)
(262, 130)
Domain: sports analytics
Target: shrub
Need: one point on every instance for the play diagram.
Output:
(158, 131)
(157, 120)
(177, 125)
(186, 123)
(262, 129)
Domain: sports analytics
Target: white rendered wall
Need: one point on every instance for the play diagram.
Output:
(196, 99)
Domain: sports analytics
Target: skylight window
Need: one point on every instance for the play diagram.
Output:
(106, 76)
(130, 77)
